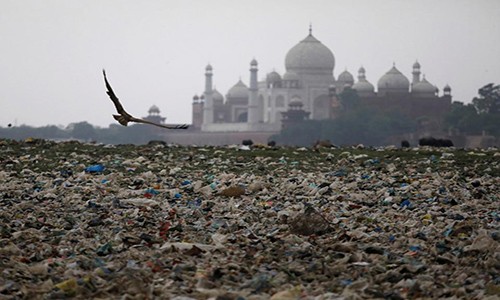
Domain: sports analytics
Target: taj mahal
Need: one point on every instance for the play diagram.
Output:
(309, 82)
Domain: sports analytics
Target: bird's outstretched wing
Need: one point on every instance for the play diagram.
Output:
(136, 120)
(124, 117)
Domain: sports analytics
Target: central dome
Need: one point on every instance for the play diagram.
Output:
(310, 56)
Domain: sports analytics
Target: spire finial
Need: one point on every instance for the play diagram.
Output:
(310, 28)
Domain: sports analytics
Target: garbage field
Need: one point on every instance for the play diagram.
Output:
(157, 221)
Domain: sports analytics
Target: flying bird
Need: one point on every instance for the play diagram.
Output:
(124, 117)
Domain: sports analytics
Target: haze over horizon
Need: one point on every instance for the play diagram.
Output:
(155, 52)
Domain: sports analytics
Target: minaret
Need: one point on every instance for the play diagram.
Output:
(361, 74)
(208, 107)
(252, 100)
(416, 73)
(197, 112)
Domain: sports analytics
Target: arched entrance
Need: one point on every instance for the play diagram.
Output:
(242, 118)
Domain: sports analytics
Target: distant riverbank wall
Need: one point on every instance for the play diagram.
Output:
(216, 138)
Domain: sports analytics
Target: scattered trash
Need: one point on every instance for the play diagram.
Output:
(267, 223)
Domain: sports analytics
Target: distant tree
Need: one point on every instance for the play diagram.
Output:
(365, 126)
(49, 132)
(16, 132)
(464, 118)
(304, 133)
(83, 131)
(115, 134)
(491, 124)
(23, 132)
(349, 99)
(480, 116)
(488, 101)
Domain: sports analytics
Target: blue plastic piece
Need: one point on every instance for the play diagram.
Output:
(406, 203)
(95, 169)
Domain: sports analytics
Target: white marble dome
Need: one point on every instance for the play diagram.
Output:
(310, 56)
(273, 77)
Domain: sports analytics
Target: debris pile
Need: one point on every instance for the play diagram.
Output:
(168, 222)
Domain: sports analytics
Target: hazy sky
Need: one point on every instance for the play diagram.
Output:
(155, 52)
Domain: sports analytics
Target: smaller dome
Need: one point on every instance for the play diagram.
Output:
(416, 65)
(208, 68)
(447, 88)
(196, 97)
(394, 80)
(290, 76)
(216, 96)
(363, 86)
(154, 110)
(273, 77)
(423, 86)
(253, 62)
(239, 90)
(346, 77)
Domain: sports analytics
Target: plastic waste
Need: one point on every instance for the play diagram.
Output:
(95, 168)
(406, 203)
(396, 227)
(68, 285)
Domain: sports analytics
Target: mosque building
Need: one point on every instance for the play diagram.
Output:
(309, 83)
(154, 115)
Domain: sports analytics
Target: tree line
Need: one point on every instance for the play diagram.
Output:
(362, 125)
(84, 131)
